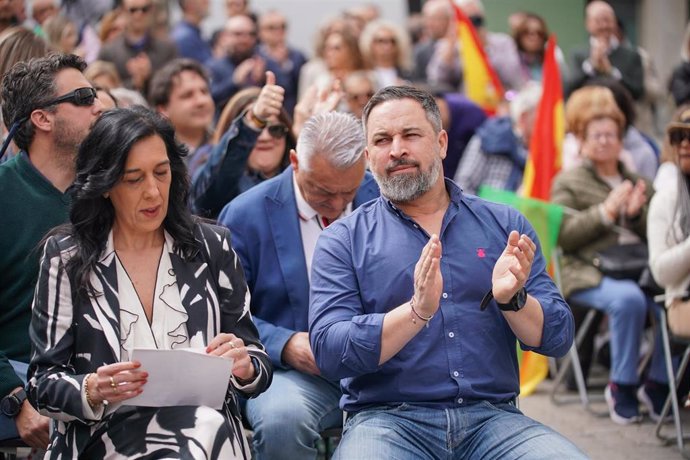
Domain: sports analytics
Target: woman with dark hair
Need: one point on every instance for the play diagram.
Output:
(238, 163)
(530, 37)
(134, 269)
(271, 153)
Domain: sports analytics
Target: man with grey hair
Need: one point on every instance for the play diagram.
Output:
(274, 228)
(496, 155)
(424, 345)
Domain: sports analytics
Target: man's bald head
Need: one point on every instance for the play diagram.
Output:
(600, 20)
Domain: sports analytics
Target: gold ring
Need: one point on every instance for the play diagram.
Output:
(232, 345)
(113, 385)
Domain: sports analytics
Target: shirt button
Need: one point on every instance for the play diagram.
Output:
(456, 373)
(451, 334)
(460, 400)
(445, 295)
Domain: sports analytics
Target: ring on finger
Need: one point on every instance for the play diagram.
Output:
(113, 385)
(232, 345)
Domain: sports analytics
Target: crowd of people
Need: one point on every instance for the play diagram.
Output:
(352, 278)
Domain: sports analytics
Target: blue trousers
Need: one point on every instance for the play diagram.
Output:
(288, 417)
(8, 428)
(627, 308)
(480, 430)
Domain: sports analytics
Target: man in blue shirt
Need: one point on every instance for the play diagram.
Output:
(424, 345)
(187, 35)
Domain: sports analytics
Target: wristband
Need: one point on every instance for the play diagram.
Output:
(416, 315)
(256, 120)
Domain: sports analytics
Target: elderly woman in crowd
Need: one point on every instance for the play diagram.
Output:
(668, 228)
(610, 205)
(135, 270)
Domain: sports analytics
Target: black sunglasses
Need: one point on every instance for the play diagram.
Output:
(81, 96)
(144, 9)
(277, 130)
(678, 136)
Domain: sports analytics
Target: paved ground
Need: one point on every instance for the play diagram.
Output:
(598, 436)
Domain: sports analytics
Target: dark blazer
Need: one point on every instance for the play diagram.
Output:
(265, 230)
(72, 336)
(626, 60)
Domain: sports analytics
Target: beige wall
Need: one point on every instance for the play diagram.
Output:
(662, 26)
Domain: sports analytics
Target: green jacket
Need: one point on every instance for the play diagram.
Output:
(584, 232)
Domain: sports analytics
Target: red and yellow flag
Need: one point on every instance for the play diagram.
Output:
(543, 162)
(480, 81)
(546, 144)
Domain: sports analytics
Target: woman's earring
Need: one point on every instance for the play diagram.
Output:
(106, 195)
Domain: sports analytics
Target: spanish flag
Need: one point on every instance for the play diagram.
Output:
(480, 81)
(543, 162)
(546, 144)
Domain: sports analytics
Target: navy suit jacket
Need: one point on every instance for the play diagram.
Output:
(265, 232)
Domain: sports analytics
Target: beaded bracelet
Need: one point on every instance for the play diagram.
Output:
(86, 392)
(417, 315)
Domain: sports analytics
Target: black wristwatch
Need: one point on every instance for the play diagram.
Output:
(514, 304)
(12, 404)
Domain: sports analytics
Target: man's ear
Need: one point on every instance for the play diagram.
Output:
(163, 110)
(42, 120)
(443, 142)
(366, 154)
(293, 160)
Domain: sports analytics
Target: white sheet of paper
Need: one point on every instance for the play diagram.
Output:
(183, 377)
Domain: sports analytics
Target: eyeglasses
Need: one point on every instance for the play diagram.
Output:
(281, 26)
(277, 130)
(83, 97)
(384, 41)
(143, 9)
(678, 136)
(538, 32)
(598, 137)
(477, 21)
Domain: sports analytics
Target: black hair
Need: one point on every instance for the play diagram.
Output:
(162, 82)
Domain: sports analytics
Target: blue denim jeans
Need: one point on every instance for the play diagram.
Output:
(288, 417)
(8, 429)
(627, 308)
(480, 430)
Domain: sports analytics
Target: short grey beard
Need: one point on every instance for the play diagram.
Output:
(405, 188)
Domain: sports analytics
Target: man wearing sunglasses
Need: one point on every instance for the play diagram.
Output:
(49, 107)
(274, 228)
(137, 52)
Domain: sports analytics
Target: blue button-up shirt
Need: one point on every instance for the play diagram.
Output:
(364, 266)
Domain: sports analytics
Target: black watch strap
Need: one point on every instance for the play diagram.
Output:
(515, 304)
(12, 404)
